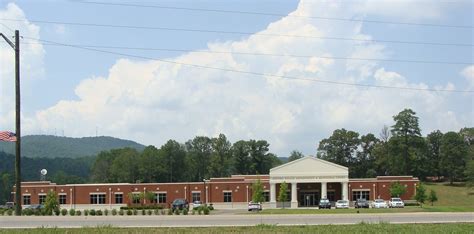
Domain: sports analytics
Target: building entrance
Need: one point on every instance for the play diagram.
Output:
(308, 199)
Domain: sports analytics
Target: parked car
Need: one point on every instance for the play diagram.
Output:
(254, 206)
(324, 204)
(35, 207)
(8, 205)
(361, 203)
(180, 204)
(396, 202)
(342, 204)
(379, 203)
(197, 204)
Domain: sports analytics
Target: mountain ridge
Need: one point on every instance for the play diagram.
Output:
(48, 146)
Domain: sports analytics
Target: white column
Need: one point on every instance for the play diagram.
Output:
(207, 194)
(247, 192)
(185, 192)
(272, 192)
(70, 197)
(324, 189)
(144, 197)
(294, 195)
(344, 191)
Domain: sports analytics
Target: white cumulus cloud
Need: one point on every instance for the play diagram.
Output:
(153, 101)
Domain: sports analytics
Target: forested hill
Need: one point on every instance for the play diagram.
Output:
(44, 146)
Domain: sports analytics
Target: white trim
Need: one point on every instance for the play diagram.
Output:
(227, 191)
(62, 194)
(117, 193)
(97, 193)
(359, 190)
(195, 191)
(41, 194)
(161, 192)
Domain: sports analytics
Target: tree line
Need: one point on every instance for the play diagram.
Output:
(402, 150)
(195, 160)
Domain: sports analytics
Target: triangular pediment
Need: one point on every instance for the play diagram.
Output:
(309, 166)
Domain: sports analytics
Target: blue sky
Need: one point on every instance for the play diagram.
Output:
(75, 91)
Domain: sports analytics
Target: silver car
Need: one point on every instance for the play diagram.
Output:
(342, 204)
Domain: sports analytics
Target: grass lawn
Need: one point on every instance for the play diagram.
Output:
(358, 228)
(451, 198)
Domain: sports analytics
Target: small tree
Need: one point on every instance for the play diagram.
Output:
(283, 196)
(469, 173)
(257, 189)
(397, 189)
(433, 197)
(51, 203)
(150, 197)
(420, 195)
(135, 197)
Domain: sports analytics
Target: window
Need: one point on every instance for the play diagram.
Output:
(161, 197)
(62, 199)
(266, 196)
(331, 195)
(97, 198)
(118, 198)
(196, 196)
(26, 199)
(227, 196)
(41, 199)
(360, 195)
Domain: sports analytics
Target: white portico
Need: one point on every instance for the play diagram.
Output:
(310, 179)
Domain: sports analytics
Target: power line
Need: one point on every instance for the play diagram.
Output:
(241, 33)
(261, 74)
(259, 54)
(273, 14)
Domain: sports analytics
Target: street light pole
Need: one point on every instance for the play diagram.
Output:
(16, 47)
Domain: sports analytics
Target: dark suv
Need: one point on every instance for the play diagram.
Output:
(324, 204)
(361, 203)
(180, 204)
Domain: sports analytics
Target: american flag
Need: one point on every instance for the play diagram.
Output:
(7, 136)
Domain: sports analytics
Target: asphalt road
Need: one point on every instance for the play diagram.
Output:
(228, 220)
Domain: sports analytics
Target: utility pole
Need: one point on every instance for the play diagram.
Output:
(16, 47)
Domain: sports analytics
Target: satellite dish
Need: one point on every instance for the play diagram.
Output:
(44, 172)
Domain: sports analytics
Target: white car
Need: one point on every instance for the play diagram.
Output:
(379, 203)
(197, 204)
(396, 202)
(254, 206)
(342, 204)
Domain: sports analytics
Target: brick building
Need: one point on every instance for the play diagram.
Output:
(308, 180)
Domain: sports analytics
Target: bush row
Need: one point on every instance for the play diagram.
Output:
(92, 212)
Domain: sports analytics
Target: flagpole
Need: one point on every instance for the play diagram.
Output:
(16, 47)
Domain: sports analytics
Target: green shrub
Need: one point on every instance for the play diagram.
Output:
(170, 212)
(2, 211)
(185, 211)
(92, 212)
(9, 212)
(98, 213)
(200, 210)
(156, 212)
(27, 212)
(205, 210)
(129, 212)
(57, 212)
(63, 212)
(78, 213)
(72, 212)
(135, 212)
(176, 211)
(86, 212)
(106, 212)
(121, 212)
(163, 212)
(211, 207)
(114, 212)
(193, 212)
(37, 212)
(143, 212)
(149, 212)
